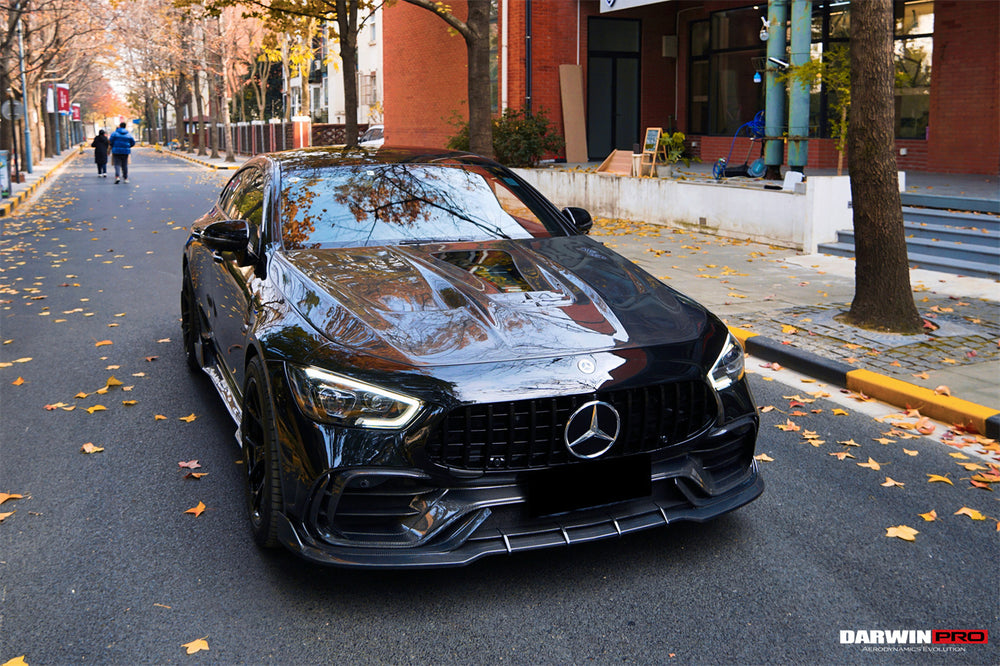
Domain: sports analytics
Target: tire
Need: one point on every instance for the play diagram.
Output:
(260, 457)
(190, 323)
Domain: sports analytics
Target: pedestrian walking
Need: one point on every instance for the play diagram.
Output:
(121, 147)
(100, 145)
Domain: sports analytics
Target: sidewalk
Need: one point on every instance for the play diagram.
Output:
(785, 307)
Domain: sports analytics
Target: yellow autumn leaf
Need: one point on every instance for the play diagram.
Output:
(910, 452)
(840, 455)
(840, 412)
(890, 483)
(871, 464)
(930, 516)
(96, 408)
(90, 448)
(4, 516)
(763, 457)
(81, 395)
(960, 456)
(932, 478)
(849, 442)
(903, 532)
(18, 381)
(197, 510)
(196, 646)
(112, 381)
(788, 329)
(159, 417)
(971, 513)
(9, 496)
(189, 418)
(16, 661)
(103, 343)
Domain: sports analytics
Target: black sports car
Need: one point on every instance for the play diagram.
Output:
(428, 362)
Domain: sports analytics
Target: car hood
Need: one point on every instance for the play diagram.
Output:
(472, 302)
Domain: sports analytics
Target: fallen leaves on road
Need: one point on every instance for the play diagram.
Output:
(903, 532)
(971, 513)
(90, 448)
(930, 516)
(871, 464)
(196, 646)
(197, 510)
(937, 478)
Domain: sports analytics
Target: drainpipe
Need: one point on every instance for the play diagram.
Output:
(798, 112)
(503, 55)
(774, 91)
(527, 55)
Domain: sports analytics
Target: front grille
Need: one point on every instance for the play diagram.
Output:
(527, 434)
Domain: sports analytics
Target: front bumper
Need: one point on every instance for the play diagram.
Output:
(460, 523)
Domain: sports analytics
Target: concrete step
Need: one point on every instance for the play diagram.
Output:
(952, 218)
(931, 262)
(965, 236)
(991, 205)
(973, 252)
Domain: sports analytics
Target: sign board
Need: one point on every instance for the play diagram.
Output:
(4, 173)
(50, 100)
(62, 97)
(650, 147)
(75, 111)
(18, 110)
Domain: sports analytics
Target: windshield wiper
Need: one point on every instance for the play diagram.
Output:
(421, 241)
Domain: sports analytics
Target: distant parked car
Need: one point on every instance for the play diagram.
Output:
(373, 137)
(429, 362)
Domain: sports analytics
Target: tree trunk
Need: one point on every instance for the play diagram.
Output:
(200, 106)
(347, 24)
(478, 49)
(883, 298)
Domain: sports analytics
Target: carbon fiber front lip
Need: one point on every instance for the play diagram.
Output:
(615, 521)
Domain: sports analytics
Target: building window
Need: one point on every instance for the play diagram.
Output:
(722, 95)
(367, 90)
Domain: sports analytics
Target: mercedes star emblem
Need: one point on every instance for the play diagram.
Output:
(592, 429)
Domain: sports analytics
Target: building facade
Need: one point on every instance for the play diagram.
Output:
(694, 67)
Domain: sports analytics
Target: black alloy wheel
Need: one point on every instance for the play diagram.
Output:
(190, 323)
(260, 457)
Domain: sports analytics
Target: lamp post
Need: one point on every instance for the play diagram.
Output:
(24, 92)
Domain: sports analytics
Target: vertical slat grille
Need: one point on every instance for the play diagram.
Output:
(527, 434)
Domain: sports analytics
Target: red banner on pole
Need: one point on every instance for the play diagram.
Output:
(62, 97)
(75, 110)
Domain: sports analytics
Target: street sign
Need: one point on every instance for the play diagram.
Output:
(18, 110)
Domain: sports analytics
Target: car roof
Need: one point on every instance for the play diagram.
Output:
(319, 157)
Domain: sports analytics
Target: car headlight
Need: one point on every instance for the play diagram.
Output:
(728, 368)
(330, 398)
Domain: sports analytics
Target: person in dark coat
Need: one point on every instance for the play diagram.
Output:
(101, 146)
(121, 146)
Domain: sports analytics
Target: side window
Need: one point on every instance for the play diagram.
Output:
(247, 203)
(227, 192)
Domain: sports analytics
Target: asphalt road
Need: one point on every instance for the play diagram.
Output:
(99, 563)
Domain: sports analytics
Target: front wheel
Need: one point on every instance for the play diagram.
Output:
(260, 457)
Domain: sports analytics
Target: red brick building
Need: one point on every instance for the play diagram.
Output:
(690, 66)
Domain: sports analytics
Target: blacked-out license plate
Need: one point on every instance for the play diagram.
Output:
(588, 484)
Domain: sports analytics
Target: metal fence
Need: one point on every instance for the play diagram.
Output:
(250, 138)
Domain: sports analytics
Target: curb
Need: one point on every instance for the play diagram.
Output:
(8, 206)
(948, 409)
(203, 163)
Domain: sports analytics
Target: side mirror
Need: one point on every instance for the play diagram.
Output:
(579, 218)
(226, 236)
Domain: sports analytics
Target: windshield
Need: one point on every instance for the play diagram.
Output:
(390, 204)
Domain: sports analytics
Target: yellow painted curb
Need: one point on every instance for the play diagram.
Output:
(903, 394)
(741, 334)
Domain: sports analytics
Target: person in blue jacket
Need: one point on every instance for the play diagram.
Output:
(121, 147)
